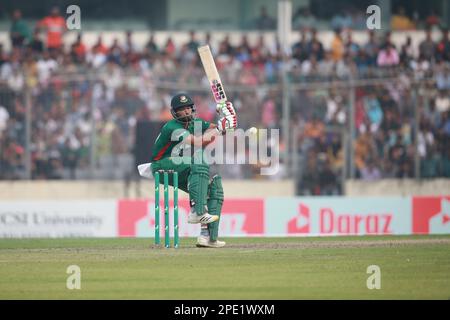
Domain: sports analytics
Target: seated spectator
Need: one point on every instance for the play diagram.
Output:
(442, 102)
(421, 67)
(370, 172)
(388, 57)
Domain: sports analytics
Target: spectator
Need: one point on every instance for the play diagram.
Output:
(314, 47)
(442, 102)
(427, 47)
(304, 19)
(264, 21)
(20, 33)
(401, 21)
(151, 45)
(78, 50)
(407, 52)
(432, 20)
(388, 57)
(371, 48)
(55, 27)
(36, 44)
(351, 48)
(4, 116)
(193, 43)
(370, 172)
(342, 20)
(442, 49)
(337, 46)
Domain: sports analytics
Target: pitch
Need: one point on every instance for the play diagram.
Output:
(412, 267)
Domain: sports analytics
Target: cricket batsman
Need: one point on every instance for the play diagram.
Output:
(205, 193)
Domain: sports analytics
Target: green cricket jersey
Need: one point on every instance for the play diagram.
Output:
(172, 133)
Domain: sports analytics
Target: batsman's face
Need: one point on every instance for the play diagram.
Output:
(184, 112)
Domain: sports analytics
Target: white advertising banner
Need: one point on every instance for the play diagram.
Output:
(54, 219)
(313, 216)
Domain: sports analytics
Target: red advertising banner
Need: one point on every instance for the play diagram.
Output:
(431, 215)
(239, 217)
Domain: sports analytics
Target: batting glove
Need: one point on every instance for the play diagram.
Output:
(226, 123)
(225, 109)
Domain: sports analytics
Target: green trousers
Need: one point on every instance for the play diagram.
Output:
(204, 193)
(183, 169)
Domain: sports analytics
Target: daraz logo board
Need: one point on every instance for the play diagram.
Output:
(338, 216)
(431, 215)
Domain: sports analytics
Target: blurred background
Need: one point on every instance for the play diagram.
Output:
(359, 111)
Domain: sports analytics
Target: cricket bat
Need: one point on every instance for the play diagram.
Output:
(212, 74)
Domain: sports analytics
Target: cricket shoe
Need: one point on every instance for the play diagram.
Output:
(205, 242)
(205, 218)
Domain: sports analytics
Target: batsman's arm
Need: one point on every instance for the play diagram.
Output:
(207, 137)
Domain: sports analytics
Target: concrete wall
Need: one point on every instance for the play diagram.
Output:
(52, 190)
(398, 187)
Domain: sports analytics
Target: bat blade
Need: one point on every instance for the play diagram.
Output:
(212, 74)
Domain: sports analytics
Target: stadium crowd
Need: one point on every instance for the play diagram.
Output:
(114, 86)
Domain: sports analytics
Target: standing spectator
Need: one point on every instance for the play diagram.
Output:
(432, 20)
(55, 26)
(98, 55)
(151, 45)
(337, 46)
(351, 48)
(78, 49)
(20, 33)
(36, 44)
(193, 43)
(427, 47)
(342, 20)
(401, 21)
(371, 49)
(407, 52)
(299, 49)
(315, 47)
(264, 21)
(443, 47)
(304, 19)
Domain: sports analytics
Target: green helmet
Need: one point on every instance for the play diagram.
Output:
(182, 100)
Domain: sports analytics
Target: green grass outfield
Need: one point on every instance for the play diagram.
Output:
(413, 267)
